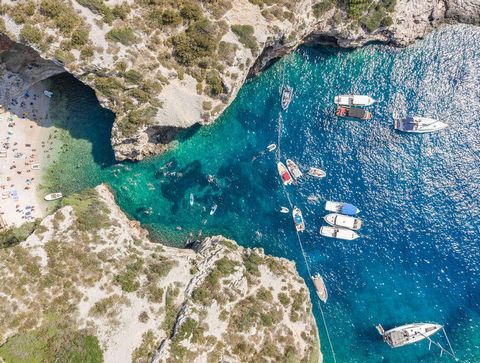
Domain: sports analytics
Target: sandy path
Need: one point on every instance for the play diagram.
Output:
(24, 132)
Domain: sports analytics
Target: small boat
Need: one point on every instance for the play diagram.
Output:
(53, 196)
(284, 174)
(340, 207)
(35, 166)
(312, 198)
(286, 96)
(298, 219)
(48, 93)
(354, 100)
(316, 172)
(419, 125)
(213, 210)
(408, 334)
(338, 232)
(352, 112)
(272, 147)
(294, 169)
(192, 199)
(320, 287)
(340, 220)
(284, 210)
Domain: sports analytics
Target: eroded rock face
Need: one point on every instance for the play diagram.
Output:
(88, 273)
(140, 72)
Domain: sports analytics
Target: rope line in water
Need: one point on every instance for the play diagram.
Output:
(277, 156)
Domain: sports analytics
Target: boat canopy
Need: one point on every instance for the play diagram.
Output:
(409, 123)
(298, 219)
(349, 209)
(356, 112)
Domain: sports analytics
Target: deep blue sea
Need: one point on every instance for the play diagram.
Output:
(419, 255)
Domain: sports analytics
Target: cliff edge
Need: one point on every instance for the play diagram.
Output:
(88, 285)
(162, 65)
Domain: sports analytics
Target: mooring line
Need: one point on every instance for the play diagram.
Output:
(278, 155)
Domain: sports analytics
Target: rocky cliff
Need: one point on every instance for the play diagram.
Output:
(163, 65)
(88, 285)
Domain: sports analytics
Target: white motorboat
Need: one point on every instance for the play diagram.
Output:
(192, 199)
(213, 210)
(354, 100)
(53, 196)
(294, 169)
(49, 94)
(338, 232)
(320, 287)
(35, 167)
(284, 174)
(408, 334)
(340, 220)
(286, 96)
(272, 147)
(340, 207)
(284, 210)
(298, 219)
(419, 125)
(316, 172)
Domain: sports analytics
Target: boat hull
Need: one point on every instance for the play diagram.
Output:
(284, 174)
(354, 100)
(410, 333)
(340, 220)
(320, 288)
(421, 125)
(317, 173)
(338, 207)
(338, 233)
(294, 169)
(298, 220)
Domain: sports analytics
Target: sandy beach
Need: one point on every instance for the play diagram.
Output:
(25, 133)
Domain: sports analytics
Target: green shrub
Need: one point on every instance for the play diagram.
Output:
(322, 7)
(108, 86)
(80, 37)
(14, 235)
(125, 35)
(31, 34)
(22, 11)
(191, 11)
(198, 41)
(65, 18)
(133, 76)
(98, 7)
(245, 34)
(215, 84)
(373, 19)
(90, 212)
(128, 280)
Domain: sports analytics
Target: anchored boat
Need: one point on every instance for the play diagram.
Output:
(53, 196)
(340, 207)
(286, 96)
(340, 220)
(284, 210)
(338, 232)
(419, 125)
(284, 174)
(294, 169)
(316, 172)
(352, 112)
(192, 199)
(320, 287)
(271, 147)
(354, 100)
(213, 210)
(298, 220)
(408, 334)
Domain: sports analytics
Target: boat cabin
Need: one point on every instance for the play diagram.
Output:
(353, 112)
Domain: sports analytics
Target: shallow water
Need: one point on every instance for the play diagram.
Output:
(419, 255)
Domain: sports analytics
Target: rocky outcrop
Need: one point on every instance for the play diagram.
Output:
(160, 69)
(89, 283)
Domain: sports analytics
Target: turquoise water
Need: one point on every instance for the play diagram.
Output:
(419, 255)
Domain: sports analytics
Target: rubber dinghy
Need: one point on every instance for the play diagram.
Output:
(317, 173)
(419, 125)
(408, 334)
(284, 174)
(298, 220)
(294, 169)
(340, 207)
(339, 233)
(340, 220)
(354, 100)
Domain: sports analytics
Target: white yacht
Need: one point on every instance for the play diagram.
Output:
(408, 334)
(286, 96)
(338, 232)
(340, 207)
(419, 125)
(354, 100)
(298, 219)
(320, 287)
(340, 220)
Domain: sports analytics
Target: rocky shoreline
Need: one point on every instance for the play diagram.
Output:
(183, 98)
(90, 277)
